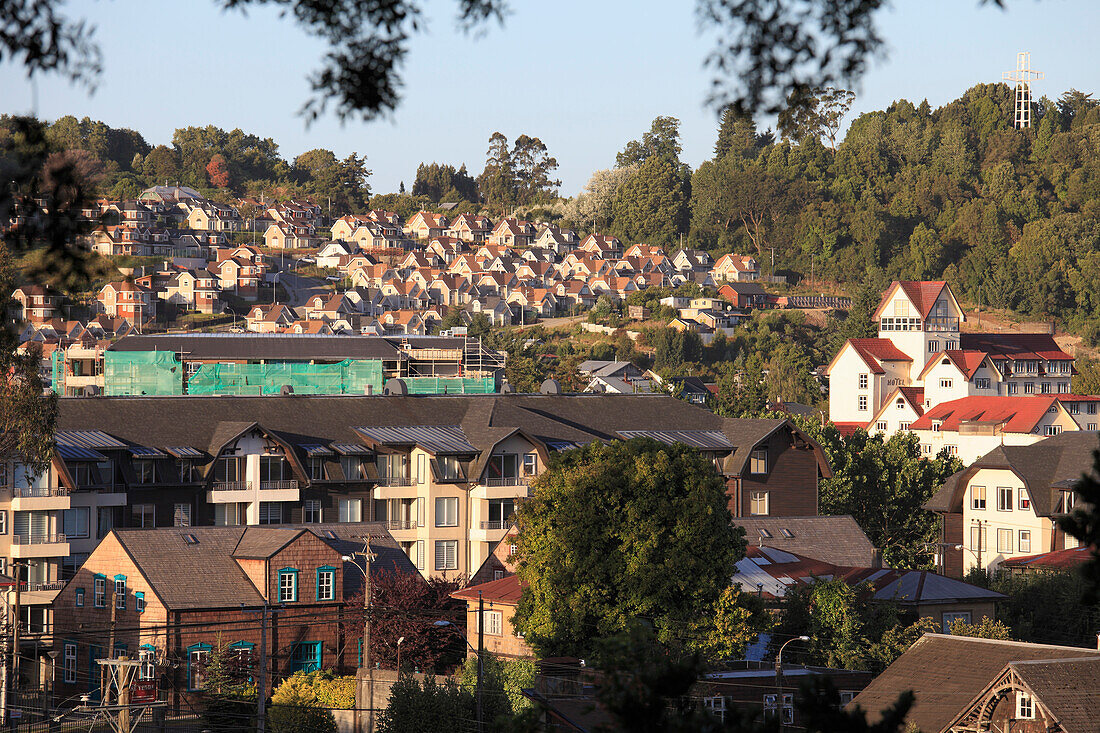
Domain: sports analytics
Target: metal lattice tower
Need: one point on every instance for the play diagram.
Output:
(1022, 78)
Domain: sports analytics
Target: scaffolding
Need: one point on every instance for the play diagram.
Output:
(350, 376)
(451, 385)
(142, 373)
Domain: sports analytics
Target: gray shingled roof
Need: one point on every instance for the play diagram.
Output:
(946, 672)
(837, 539)
(204, 574)
(1068, 688)
(1061, 459)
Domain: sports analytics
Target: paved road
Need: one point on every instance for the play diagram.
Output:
(300, 289)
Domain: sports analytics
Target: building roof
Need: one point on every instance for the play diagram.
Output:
(876, 350)
(201, 346)
(205, 573)
(1056, 560)
(922, 293)
(946, 672)
(1014, 345)
(1061, 459)
(832, 539)
(507, 590)
(1068, 688)
(1013, 413)
(967, 362)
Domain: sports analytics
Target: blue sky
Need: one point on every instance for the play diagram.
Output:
(584, 76)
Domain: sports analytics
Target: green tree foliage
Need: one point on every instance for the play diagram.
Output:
(295, 707)
(519, 176)
(884, 484)
(416, 706)
(987, 628)
(229, 694)
(673, 348)
(444, 183)
(846, 628)
(814, 115)
(599, 538)
(503, 682)
(497, 182)
(1048, 607)
(651, 205)
(661, 141)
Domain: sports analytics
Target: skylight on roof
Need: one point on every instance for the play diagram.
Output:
(765, 533)
(330, 534)
(190, 539)
(787, 533)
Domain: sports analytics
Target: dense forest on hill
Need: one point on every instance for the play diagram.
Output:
(1010, 217)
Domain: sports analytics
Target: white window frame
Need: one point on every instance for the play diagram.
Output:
(494, 623)
(181, 515)
(758, 461)
(446, 554)
(759, 500)
(864, 381)
(1024, 540)
(1004, 540)
(978, 499)
(1004, 498)
(861, 402)
(1025, 706)
(70, 663)
(446, 511)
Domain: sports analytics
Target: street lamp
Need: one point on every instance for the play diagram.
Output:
(779, 677)
(364, 659)
(399, 655)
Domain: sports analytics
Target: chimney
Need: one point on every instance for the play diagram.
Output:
(876, 558)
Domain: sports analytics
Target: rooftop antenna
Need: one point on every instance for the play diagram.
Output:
(1022, 77)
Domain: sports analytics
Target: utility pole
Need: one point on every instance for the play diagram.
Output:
(480, 654)
(261, 678)
(367, 607)
(18, 567)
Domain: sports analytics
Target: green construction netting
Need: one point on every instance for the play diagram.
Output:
(142, 373)
(450, 385)
(350, 376)
(57, 385)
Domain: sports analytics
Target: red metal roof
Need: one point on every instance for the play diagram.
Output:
(507, 590)
(1014, 345)
(847, 428)
(1056, 560)
(875, 350)
(1019, 413)
(922, 293)
(915, 396)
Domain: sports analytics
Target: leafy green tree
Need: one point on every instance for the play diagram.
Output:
(1048, 607)
(815, 114)
(444, 183)
(598, 536)
(661, 141)
(416, 706)
(1084, 524)
(503, 682)
(533, 166)
(295, 708)
(884, 484)
(497, 183)
(651, 205)
(594, 206)
(987, 628)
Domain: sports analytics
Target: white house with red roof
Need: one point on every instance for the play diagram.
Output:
(862, 374)
(898, 411)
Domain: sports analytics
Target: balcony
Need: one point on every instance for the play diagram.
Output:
(395, 481)
(508, 480)
(282, 490)
(39, 498)
(229, 492)
(941, 324)
(496, 524)
(39, 545)
(399, 523)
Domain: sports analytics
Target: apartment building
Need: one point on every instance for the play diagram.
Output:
(874, 382)
(1007, 502)
(444, 474)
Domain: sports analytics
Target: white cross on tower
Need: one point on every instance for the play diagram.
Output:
(1022, 77)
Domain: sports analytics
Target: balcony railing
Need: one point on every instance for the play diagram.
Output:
(38, 492)
(400, 523)
(496, 524)
(276, 485)
(941, 323)
(395, 481)
(54, 585)
(232, 486)
(508, 480)
(37, 539)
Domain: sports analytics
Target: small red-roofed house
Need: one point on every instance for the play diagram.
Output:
(499, 599)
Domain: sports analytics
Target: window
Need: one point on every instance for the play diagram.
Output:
(316, 468)
(421, 468)
(139, 601)
(1045, 388)
(863, 381)
(862, 402)
(1092, 426)
(1013, 388)
(977, 497)
(952, 450)
(494, 623)
(1004, 540)
(977, 534)
(1091, 408)
(197, 657)
(981, 383)
(933, 346)
(227, 470)
(946, 383)
(107, 517)
(950, 617)
(143, 515)
(503, 469)
(446, 555)
(1074, 408)
(419, 561)
(76, 522)
(846, 696)
(881, 426)
(1025, 500)
(99, 591)
(449, 469)
(271, 468)
(288, 585)
(391, 466)
(70, 662)
(311, 511)
(305, 656)
(1053, 430)
(147, 670)
(144, 472)
(1004, 498)
(758, 463)
(758, 503)
(271, 512)
(181, 515)
(4, 521)
(326, 584)
(1025, 540)
(903, 425)
(120, 592)
(1029, 388)
(1025, 706)
(446, 511)
(228, 515)
(530, 464)
(189, 472)
(351, 510)
(80, 598)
